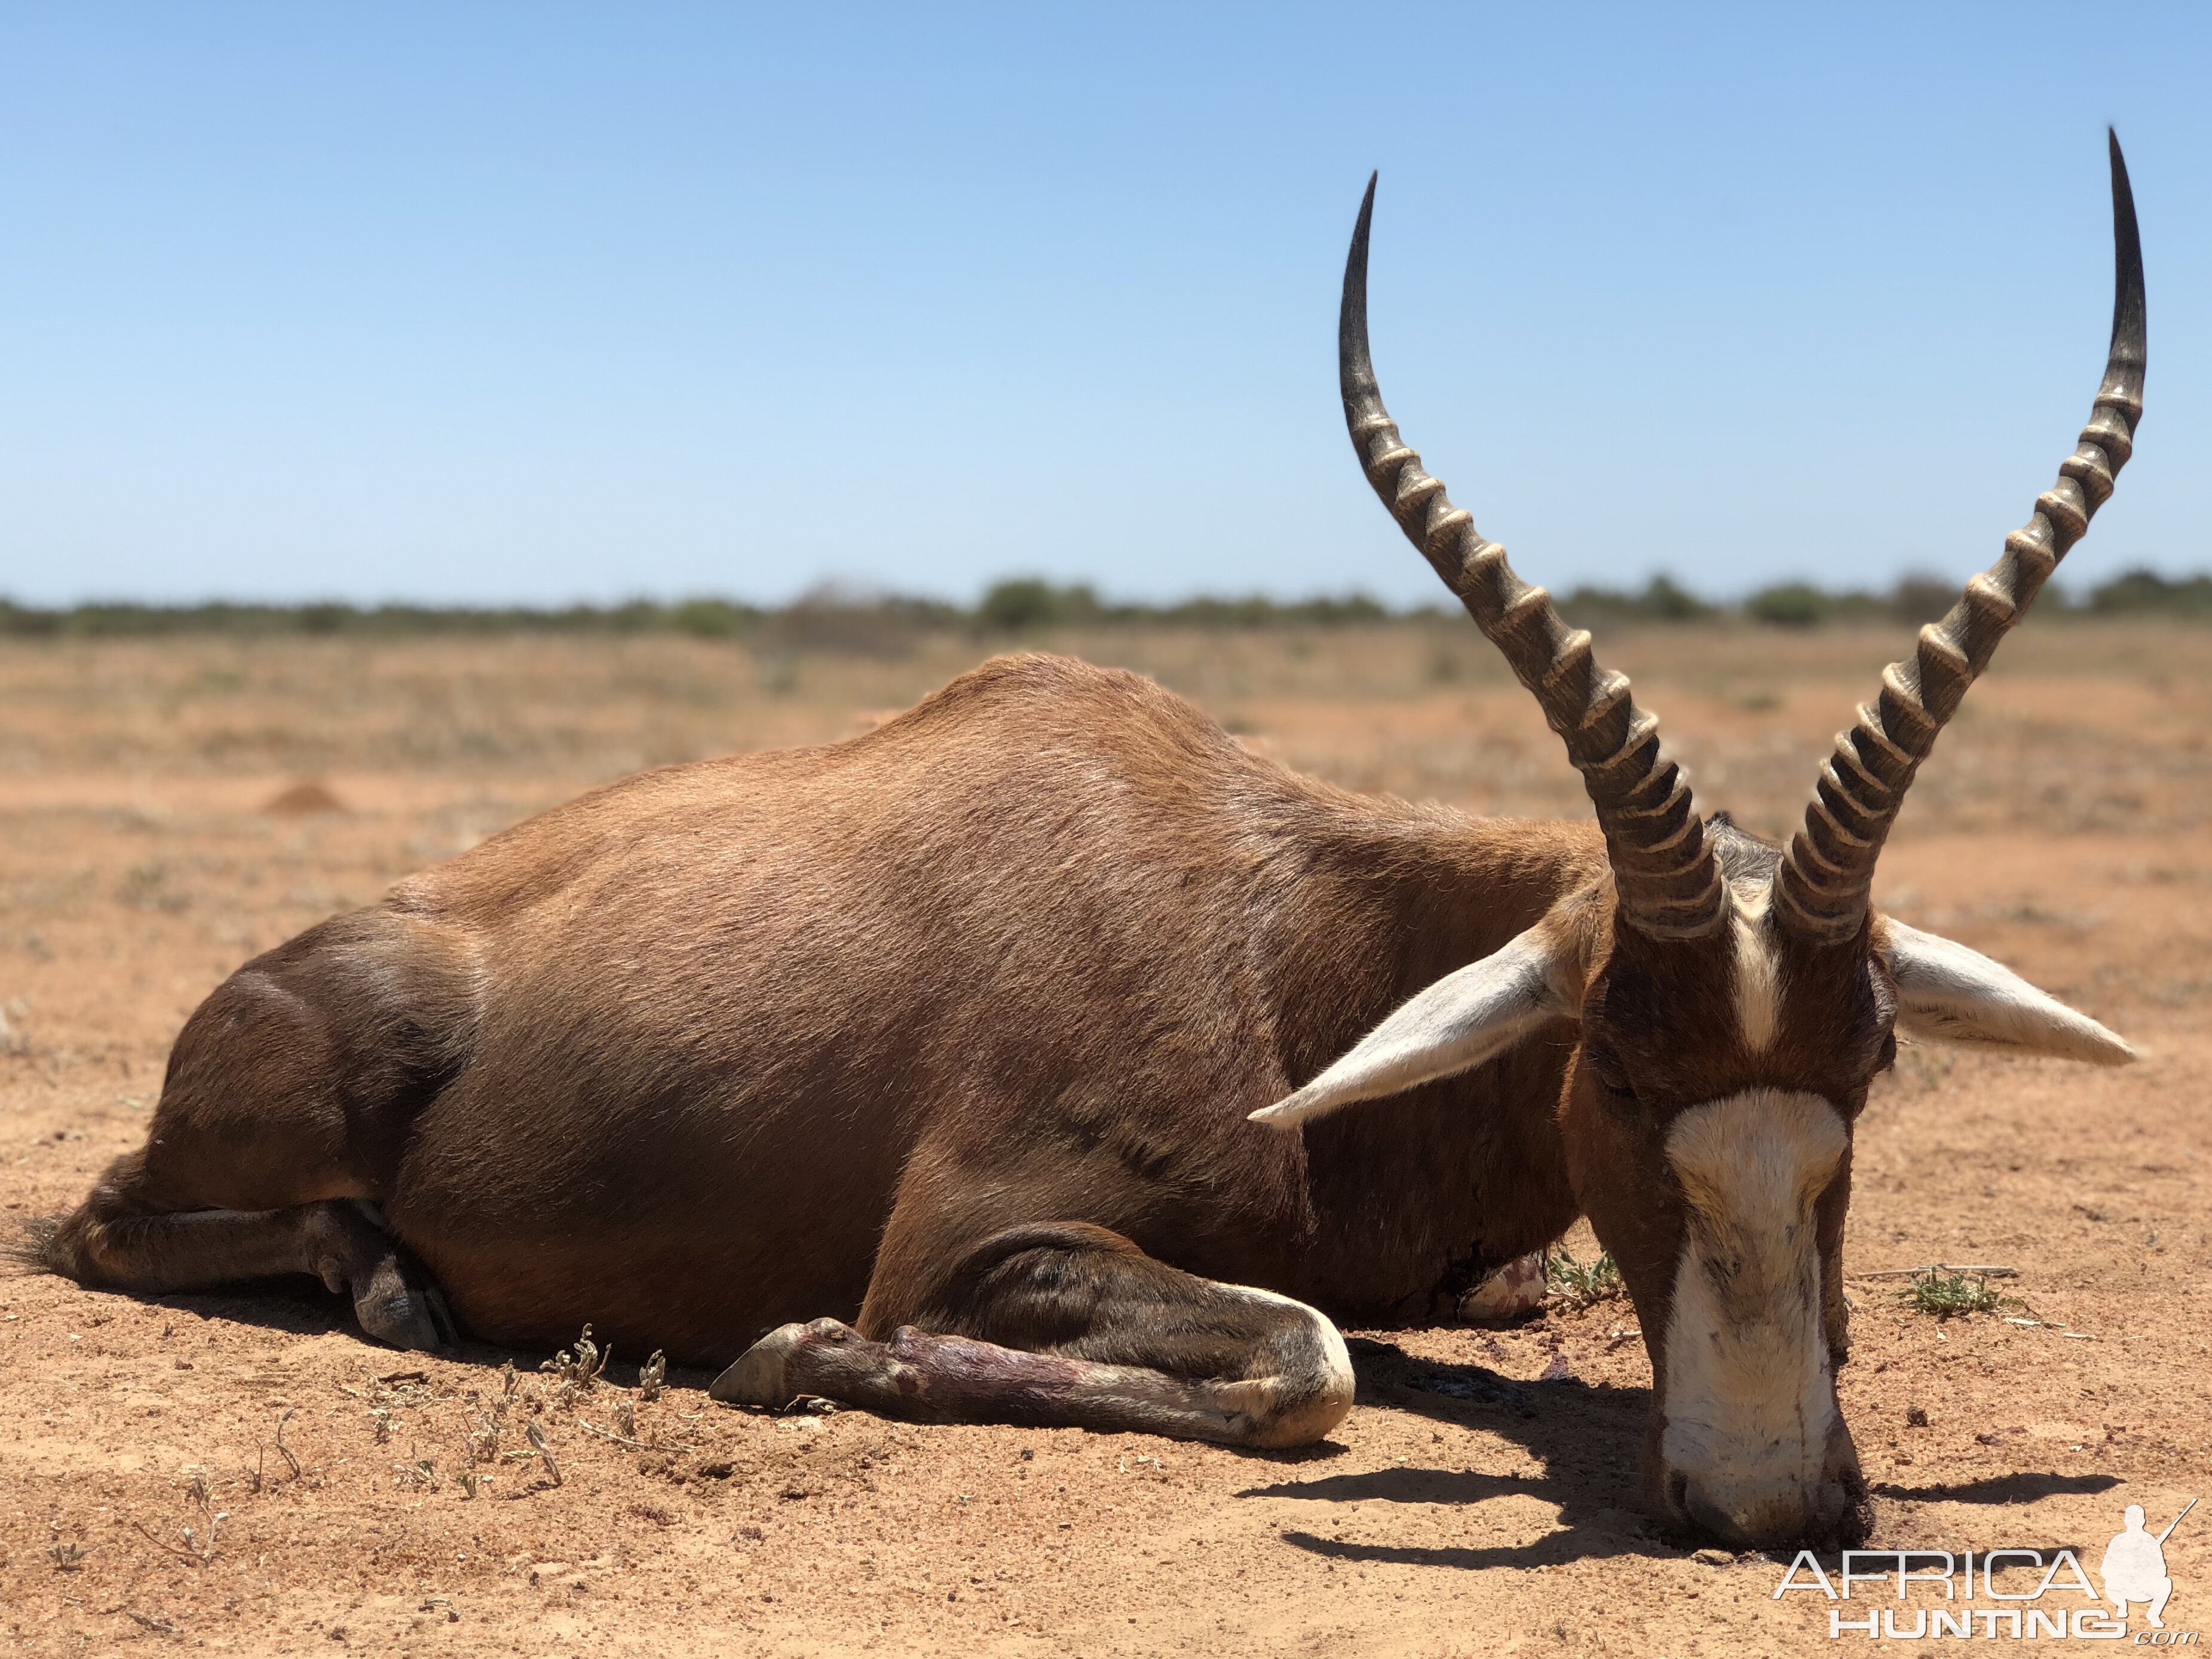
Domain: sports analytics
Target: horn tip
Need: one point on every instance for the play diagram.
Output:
(2128, 307)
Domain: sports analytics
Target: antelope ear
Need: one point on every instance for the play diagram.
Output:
(1948, 993)
(1462, 1020)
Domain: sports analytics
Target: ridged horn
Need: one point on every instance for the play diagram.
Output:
(1668, 884)
(1823, 889)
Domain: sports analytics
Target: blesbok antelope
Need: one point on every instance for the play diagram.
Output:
(958, 1031)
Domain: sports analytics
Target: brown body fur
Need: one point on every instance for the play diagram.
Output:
(759, 1039)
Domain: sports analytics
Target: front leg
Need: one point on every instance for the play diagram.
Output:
(1069, 1326)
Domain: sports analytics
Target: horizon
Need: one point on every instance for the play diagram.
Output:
(535, 306)
(1027, 604)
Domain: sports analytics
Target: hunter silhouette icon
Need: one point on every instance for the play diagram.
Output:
(2134, 1568)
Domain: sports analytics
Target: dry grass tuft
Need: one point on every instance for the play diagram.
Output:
(535, 1437)
(576, 1371)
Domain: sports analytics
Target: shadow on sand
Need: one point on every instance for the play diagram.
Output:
(1582, 1439)
(2022, 1488)
(299, 1307)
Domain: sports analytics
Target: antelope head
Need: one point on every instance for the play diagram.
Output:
(1734, 999)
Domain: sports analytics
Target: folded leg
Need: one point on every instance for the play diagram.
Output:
(283, 1113)
(338, 1241)
(1069, 1325)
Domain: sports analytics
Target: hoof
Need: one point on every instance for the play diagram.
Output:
(449, 1329)
(405, 1319)
(755, 1376)
(760, 1375)
(405, 1308)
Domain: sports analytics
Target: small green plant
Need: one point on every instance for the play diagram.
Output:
(284, 1450)
(576, 1371)
(199, 1548)
(535, 1437)
(1583, 1285)
(421, 1475)
(486, 1427)
(1944, 1293)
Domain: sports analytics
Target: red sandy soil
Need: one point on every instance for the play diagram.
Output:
(1464, 1507)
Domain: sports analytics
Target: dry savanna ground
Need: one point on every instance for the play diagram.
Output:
(242, 1472)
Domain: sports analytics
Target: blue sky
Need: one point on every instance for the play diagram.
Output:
(539, 303)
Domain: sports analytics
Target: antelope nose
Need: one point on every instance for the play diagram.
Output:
(1761, 1525)
(1832, 1511)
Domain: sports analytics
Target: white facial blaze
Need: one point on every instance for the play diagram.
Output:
(1758, 987)
(1749, 1406)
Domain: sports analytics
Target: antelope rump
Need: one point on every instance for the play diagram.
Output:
(993, 1066)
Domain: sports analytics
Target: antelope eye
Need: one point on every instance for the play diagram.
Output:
(1606, 1070)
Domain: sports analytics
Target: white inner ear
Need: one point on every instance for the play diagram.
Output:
(1948, 993)
(1462, 1020)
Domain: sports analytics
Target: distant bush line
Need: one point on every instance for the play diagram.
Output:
(833, 620)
